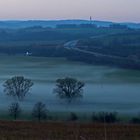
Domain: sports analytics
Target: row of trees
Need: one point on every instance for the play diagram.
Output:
(39, 111)
(66, 88)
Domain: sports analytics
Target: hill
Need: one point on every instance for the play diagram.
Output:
(53, 23)
(122, 49)
(116, 45)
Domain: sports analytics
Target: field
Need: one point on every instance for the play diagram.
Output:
(67, 131)
(107, 89)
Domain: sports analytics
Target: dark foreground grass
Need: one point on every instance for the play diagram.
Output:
(23, 130)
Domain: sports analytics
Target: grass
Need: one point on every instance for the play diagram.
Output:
(22, 130)
(27, 43)
(49, 69)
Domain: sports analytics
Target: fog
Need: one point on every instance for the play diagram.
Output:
(106, 89)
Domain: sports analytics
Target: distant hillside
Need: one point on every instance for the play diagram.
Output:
(122, 44)
(38, 33)
(43, 23)
(53, 23)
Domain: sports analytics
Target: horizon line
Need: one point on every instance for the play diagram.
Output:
(69, 19)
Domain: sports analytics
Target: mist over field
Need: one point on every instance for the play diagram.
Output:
(106, 89)
(103, 55)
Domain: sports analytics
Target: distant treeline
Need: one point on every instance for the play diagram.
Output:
(123, 45)
(76, 26)
(104, 60)
(61, 32)
(91, 25)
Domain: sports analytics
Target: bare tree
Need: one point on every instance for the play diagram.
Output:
(39, 111)
(69, 88)
(14, 110)
(17, 86)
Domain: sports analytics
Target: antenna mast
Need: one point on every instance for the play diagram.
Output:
(90, 19)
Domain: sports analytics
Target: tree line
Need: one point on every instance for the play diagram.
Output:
(66, 88)
(41, 113)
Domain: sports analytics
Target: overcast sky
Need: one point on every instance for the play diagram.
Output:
(112, 10)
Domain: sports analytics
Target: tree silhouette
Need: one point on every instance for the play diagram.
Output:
(17, 86)
(14, 110)
(69, 88)
(39, 111)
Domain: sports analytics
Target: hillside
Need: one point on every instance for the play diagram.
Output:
(122, 44)
(40, 40)
(116, 45)
(122, 49)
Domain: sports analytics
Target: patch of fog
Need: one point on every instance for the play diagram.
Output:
(120, 98)
(107, 89)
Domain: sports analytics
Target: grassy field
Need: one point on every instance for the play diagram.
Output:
(49, 69)
(67, 131)
(105, 89)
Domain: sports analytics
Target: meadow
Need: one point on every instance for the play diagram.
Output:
(106, 88)
(67, 131)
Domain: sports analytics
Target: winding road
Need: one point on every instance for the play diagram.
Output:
(72, 45)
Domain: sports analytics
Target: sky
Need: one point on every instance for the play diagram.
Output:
(107, 10)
